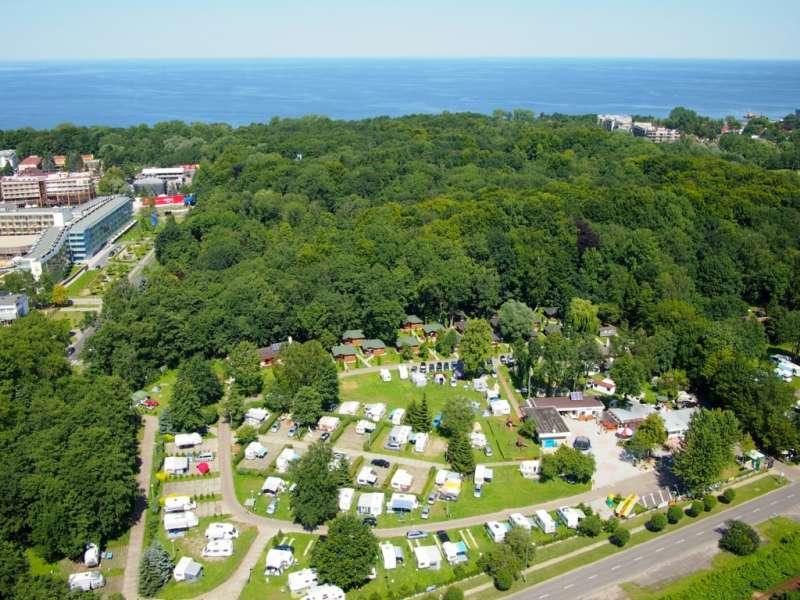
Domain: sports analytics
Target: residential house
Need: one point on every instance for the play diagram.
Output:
(370, 503)
(603, 386)
(30, 163)
(176, 465)
(373, 347)
(345, 353)
(570, 517)
(375, 412)
(551, 429)
(608, 331)
(676, 422)
(630, 416)
(428, 557)
(302, 580)
(279, 559)
(398, 437)
(497, 531)
(354, 337)
(575, 405)
(187, 569)
(269, 354)
(285, 459)
(349, 408)
(346, 498)
(328, 423)
(432, 330)
(367, 476)
(254, 450)
(402, 480)
(545, 522)
(412, 323)
(255, 417)
(529, 469)
(273, 486)
(455, 552)
(402, 503)
(364, 427)
(13, 306)
(407, 341)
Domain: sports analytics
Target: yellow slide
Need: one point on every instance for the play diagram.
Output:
(625, 508)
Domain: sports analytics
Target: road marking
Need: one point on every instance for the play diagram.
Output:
(593, 576)
(773, 503)
(615, 567)
(308, 547)
(569, 585)
(638, 558)
(755, 510)
(790, 496)
(658, 549)
(544, 596)
(700, 533)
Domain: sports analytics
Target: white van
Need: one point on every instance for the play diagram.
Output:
(218, 548)
(86, 582)
(221, 531)
(91, 558)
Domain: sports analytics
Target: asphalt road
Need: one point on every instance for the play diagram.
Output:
(587, 581)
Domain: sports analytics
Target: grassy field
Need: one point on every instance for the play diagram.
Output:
(260, 587)
(507, 490)
(770, 530)
(248, 486)
(83, 283)
(215, 570)
(504, 441)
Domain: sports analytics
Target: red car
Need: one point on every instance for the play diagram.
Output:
(150, 403)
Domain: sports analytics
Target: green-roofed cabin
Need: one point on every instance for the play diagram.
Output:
(432, 330)
(353, 336)
(407, 341)
(373, 347)
(412, 323)
(345, 353)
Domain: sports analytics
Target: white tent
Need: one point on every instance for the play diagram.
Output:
(285, 459)
(278, 559)
(385, 375)
(328, 423)
(187, 440)
(254, 450)
(529, 469)
(302, 580)
(419, 379)
(402, 480)
(255, 416)
(403, 372)
(367, 476)
(420, 442)
(349, 408)
(371, 504)
(187, 569)
(500, 408)
(273, 486)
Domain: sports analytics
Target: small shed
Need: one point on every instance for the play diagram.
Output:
(345, 353)
(373, 347)
(353, 336)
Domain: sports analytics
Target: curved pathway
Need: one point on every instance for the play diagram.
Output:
(130, 581)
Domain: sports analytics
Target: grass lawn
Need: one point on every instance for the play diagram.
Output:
(248, 486)
(260, 587)
(368, 388)
(74, 318)
(166, 382)
(388, 358)
(215, 570)
(83, 283)
(770, 529)
(504, 441)
(507, 490)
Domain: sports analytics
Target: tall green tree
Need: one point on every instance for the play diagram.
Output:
(308, 364)
(516, 320)
(315, 498)
(708, 448)
(459, 454)
(629, 375)
(457, 416)
(155, 569)
(346, 557)
(307, 407)
(185, 408)
(198, 373)
(582, 316)
(650, 435)
(244, 366)
(476, 346)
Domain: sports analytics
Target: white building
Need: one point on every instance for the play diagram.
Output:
(370, 504)
(176, 465)
(603, 386)
(8, 157)
(428, 557)
(221, 531)
(187, 569)
(615, 122)
(255, 416)
(346, 498)
(496, 530)
(655, 133)
(13, 306)
(178, 504)
(188, 440)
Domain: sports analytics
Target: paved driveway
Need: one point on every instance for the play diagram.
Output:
(612, 464)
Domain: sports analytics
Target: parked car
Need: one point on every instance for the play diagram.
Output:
(423, 368)
(488, 451)
(416, 534)
(431, 367)
(381, 462)
(413, 368)
(205, 456)
(426, 512)
(438, 366)
(275, 426)
(502, 359)
(437, 420)
(432, 497)
(150, 404)
(370, 521)
(293, 430)
(273, 506)
(70, 351)
(442, 535)
(478, 491)
(325, 436)
(582, 443)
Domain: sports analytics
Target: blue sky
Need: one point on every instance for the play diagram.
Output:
(400, 28)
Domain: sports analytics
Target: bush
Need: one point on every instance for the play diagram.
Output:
(695, 509)
(453, 593)
(611, 525)
(728, 496)
(740, 538)
(503, 580)
(674, 514)
(620, 537)
(709, 502)
(590, 526)
(657, 522)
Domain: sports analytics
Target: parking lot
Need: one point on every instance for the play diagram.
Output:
(613, 464)
(194, 487)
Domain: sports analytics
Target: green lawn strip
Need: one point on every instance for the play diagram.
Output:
(771, 530)
(260, 587)
(166, 382)
(743, 494)
(216, 570)
(507, 490)
(84, 281)
(504, 441)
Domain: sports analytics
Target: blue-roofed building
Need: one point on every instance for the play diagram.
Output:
(93, 229)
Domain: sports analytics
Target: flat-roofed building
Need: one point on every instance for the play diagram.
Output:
(22, 190)
(68, 188)
(615, 122)
(656, 133)
(93, 229)
(30, 221)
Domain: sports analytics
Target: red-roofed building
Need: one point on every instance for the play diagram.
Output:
(31, 162)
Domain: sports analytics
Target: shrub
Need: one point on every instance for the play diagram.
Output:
(740, 538)
(674, 514)
(611, 525)
(503, 580)
(453, 593)
(728, 496)
(620, 537)
(695, 509)
(709, 502)
(657, 522)
(590, 526)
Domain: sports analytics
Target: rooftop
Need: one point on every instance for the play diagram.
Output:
(90, 219)
(344, 350)
(574, 401)
(547, 420)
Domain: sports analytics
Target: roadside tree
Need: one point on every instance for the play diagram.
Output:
(348, 554)
(314, 499)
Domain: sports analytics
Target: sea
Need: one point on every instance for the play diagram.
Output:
(243, 91)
